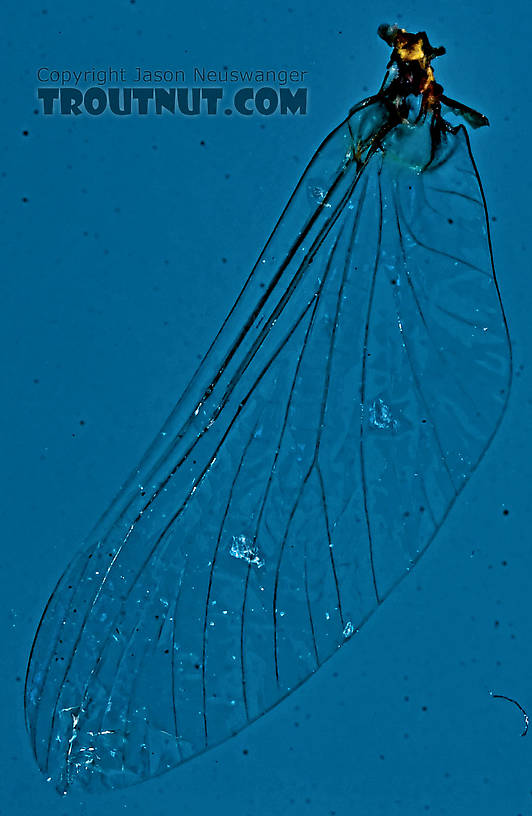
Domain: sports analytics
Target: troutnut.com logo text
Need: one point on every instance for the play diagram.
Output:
(140, 91)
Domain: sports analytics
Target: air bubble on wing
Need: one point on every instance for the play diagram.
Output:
(246, 548)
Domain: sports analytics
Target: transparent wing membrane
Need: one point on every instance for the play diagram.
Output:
(342, 407)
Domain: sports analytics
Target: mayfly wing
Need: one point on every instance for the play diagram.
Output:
(342, 407)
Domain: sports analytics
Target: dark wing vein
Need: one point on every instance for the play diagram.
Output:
(363, 392)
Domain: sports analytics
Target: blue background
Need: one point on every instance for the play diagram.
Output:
(113, 285)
